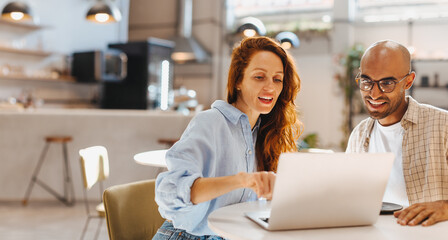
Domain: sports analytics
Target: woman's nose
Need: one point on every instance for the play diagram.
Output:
(269, 85)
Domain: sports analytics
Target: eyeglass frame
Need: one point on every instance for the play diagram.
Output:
(358, 77)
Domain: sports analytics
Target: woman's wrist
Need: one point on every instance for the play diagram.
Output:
(241, 179)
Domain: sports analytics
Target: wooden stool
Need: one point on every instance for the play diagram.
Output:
(168, 142)
(68, 183)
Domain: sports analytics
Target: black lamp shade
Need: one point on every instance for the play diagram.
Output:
(16, 11)
(101, 12)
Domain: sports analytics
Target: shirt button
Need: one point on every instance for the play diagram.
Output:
(250, 151)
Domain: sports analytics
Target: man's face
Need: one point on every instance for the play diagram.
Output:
(378, 65)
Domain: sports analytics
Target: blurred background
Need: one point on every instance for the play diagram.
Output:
(51, 59)
(130, 74)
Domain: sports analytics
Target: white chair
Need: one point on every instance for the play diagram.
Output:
(94, 169)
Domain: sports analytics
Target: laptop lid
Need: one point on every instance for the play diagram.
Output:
(327, 190)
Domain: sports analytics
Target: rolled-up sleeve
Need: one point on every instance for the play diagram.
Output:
(186, 161)
(173, 198)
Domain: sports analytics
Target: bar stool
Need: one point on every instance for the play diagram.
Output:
(167, 141)
(68, 183)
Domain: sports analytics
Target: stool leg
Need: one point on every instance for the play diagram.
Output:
(68, 183)
(35, 173)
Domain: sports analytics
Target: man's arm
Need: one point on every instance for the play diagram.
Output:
(427, 213)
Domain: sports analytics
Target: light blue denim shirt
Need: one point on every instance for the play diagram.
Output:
(217, 142)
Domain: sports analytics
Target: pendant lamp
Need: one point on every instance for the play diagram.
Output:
(288, 40)
(251, 26)
(16, 11)
(101, 12)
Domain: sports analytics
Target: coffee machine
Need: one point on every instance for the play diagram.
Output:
(149, 79)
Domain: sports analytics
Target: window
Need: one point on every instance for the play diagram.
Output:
(400, 10)
(286, 15)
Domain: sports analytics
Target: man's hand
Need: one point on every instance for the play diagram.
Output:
(427, 213)
(261, 182)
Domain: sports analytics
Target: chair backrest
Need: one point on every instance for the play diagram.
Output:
(94, 165)
(131, 211)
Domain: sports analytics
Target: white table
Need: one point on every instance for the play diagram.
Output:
(152, 158)
(230, 222)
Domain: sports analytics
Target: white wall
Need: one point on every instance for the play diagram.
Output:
(320, 99)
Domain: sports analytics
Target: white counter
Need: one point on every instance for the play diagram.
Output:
(123, 132)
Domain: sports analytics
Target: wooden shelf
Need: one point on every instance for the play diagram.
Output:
(67, 79)
(193, 69)
(29, 52)
(22, 25)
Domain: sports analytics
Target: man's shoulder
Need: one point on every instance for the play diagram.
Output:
(358, 136)
(363, 125)
(431, 111)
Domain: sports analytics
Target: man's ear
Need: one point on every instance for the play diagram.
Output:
(410, 80)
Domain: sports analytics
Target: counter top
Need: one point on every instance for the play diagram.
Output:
(123, 132)
(87, 111)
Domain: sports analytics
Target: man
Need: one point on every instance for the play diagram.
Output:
(416, 133)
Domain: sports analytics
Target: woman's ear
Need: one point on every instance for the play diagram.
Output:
(238, 86)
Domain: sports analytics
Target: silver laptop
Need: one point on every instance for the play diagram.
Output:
(319, 190)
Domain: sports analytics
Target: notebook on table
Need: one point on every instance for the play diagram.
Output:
(319, 190)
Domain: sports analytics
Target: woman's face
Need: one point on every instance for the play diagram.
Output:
(261, 85)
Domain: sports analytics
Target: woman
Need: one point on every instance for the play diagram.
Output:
(229, 154)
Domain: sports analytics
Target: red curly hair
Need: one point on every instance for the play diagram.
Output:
(280, 128)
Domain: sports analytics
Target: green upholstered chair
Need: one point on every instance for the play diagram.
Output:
(131, 211)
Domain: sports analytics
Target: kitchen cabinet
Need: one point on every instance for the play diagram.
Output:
(21, 54)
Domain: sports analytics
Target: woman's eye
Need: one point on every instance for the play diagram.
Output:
(259, 77)
(278, 80)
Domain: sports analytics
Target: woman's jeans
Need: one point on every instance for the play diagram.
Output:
(168, 232)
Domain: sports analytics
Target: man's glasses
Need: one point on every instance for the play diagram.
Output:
(385, 85)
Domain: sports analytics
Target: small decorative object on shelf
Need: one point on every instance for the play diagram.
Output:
(425, 81)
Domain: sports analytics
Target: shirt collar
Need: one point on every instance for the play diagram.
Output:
(257, 125)
(232, 113)
(411, 114)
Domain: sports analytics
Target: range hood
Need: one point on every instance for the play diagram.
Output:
(187, 48)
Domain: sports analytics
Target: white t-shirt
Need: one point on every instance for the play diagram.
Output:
(389, 139)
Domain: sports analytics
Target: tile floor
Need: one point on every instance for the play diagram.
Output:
(49, 220)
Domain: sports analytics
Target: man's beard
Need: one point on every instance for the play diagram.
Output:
(390, 108)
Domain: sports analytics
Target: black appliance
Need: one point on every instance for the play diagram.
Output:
(149, 79)
(96, 66)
